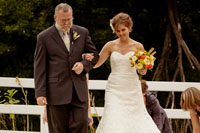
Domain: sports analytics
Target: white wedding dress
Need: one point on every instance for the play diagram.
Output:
(124, 109)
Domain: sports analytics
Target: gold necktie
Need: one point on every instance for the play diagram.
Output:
(66, 40)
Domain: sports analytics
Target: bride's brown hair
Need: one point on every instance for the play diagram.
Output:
(121, 18)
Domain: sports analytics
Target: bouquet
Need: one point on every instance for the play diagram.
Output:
(143, 60)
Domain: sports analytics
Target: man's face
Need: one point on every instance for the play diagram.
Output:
(64, 19)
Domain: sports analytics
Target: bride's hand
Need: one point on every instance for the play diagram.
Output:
(142, 72)
(88, 56)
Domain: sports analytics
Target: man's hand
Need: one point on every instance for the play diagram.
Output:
(78, 68)
(41, 101)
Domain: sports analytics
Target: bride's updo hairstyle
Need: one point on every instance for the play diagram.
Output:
(121, 18)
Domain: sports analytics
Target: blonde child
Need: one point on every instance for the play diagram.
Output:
(190, 100)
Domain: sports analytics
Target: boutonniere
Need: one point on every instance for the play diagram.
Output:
(75, 36)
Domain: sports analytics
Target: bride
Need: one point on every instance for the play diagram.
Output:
(124, 109)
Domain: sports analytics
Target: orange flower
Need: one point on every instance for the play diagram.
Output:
(146, 66)
(150, 66)
(141, 57)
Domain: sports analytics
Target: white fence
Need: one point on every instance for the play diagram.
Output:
(93, 85)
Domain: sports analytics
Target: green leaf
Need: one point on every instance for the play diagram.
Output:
(2, 101)
(16, 101)
(12, 116)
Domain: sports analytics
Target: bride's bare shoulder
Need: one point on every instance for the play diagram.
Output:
(110, 44)
(137, 45)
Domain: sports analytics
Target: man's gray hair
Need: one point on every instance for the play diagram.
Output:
(63, 6)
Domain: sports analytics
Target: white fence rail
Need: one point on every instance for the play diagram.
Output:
(24, 109)
(93, 85)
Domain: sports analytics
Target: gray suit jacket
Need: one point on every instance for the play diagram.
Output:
(53, 64)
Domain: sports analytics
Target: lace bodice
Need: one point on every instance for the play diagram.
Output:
(121, 64)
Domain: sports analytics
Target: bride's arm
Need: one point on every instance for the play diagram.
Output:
(104, 54)
(140, 46)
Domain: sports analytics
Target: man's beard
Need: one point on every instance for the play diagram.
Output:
(66, 27)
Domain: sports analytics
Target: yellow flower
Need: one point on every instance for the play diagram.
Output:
(139, 53)
(134, 58)
(152, 63)
(141, 61)
(139, 66)
(146, 61)
(152, 57)
(75, 36)
(151, 50)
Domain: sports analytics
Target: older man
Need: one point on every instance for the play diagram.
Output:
(59, 72)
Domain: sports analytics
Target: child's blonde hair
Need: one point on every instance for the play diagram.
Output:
(190, 98)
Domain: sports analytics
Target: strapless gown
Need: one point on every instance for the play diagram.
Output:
(124, 109)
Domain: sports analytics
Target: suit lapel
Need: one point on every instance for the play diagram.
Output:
(72, 41)
(56, 36)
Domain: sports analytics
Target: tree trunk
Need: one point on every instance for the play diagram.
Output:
(162, 68)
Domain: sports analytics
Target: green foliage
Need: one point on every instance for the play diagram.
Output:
(4, 48)
(12, 120)
(9, 95)
(2, 101)
(9, 99)
(23, 17)
(20, 22)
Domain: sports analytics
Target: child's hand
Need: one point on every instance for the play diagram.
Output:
(44, 117)
(90, 120)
